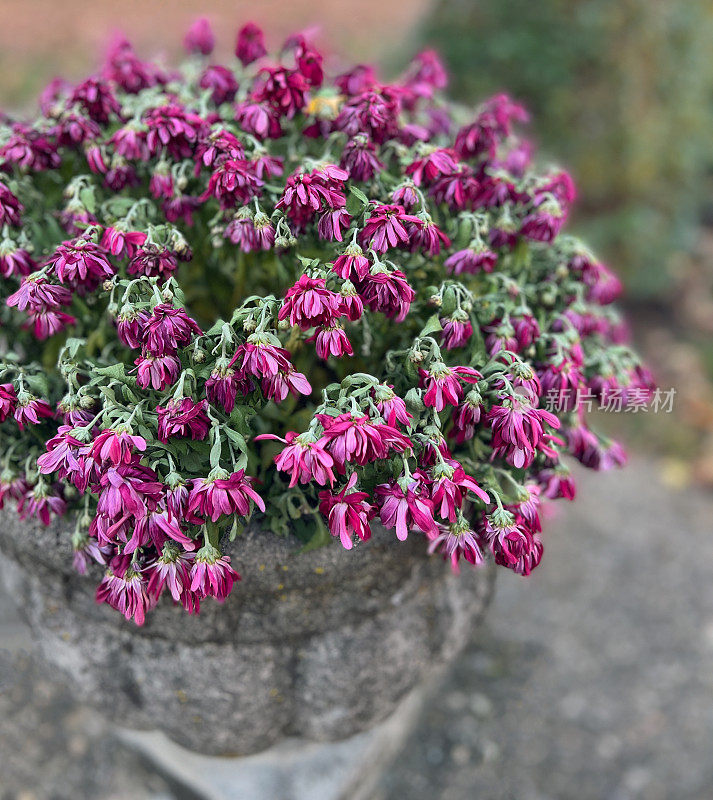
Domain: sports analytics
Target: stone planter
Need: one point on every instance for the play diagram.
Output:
(317, 645)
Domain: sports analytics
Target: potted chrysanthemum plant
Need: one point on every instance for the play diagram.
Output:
(339, 310)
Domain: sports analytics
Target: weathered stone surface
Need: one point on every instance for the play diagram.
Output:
(318, 645)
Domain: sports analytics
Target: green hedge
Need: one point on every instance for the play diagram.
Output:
(621, 92)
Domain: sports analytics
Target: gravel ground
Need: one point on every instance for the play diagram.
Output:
(591, 680)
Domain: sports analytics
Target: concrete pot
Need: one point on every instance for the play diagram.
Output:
(317, 645)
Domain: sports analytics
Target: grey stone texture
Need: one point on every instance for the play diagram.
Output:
(319, 644)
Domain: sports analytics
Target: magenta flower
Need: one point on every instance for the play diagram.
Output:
(359, 159)
(182, 418)
(331, 341)
(304, 458)
(81, 262)
(438, 162)
(454, 542)
(284, 89)
(30, 410)
(233, 183)
(352, 264)
(386, 227)
(405, 505)
(471, 261)
(97, 99)
(518, 430)
(557, 483)
(427, 237)
(199, 40)
(126, 591)
(512, 543)
(167, 329)
(543, 224)
(348, 513)
(250, 44)
(156, 527)
(130, 142)
(37, 295)
(126, 492)
(449, 488)
(391, 407)
(373, 111)
(121, 243)
(465, 417)
(594, 452)
(309, 303)
(153, 262)
(65, 454)
(116, 447)
(159, 372)
(87, 550)
(221, 388)
(308, 193)
(173, 129)
(211, 574)
(259, 119)
(221, 81)
(221, 493)
(457, 330)
(8, 401)
(561, 385)
(15, 261)
(359, 439)
(42, 501)
(442, 384)
(131, 326)
(389, 293)
(10, 207)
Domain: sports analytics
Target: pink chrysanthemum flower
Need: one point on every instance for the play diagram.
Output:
(304, 458)
(443, 384)
(513, 544)
(358, 439)
(518, 430)
(456, 541)
(167, 329)
(250, 44)
(391, 407)
(387, 292)
(126, 591)
(405, 505)
(42, 501)
(309, 303)
(471, 261)
(449, 488)
(182, 418)
(211, 574)
(348, 513)
(199, 38)
(159, 372)
(30, 410)
(222, 494)
(386, 227)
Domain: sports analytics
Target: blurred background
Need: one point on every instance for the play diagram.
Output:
(593, 679)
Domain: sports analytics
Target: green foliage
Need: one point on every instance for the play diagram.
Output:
(621, 90)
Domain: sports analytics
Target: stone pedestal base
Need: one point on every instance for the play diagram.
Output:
(294, 769)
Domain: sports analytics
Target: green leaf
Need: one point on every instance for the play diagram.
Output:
(356, 202)
(433, 325)
(116, 371)
(320, 535)
(88, 200)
